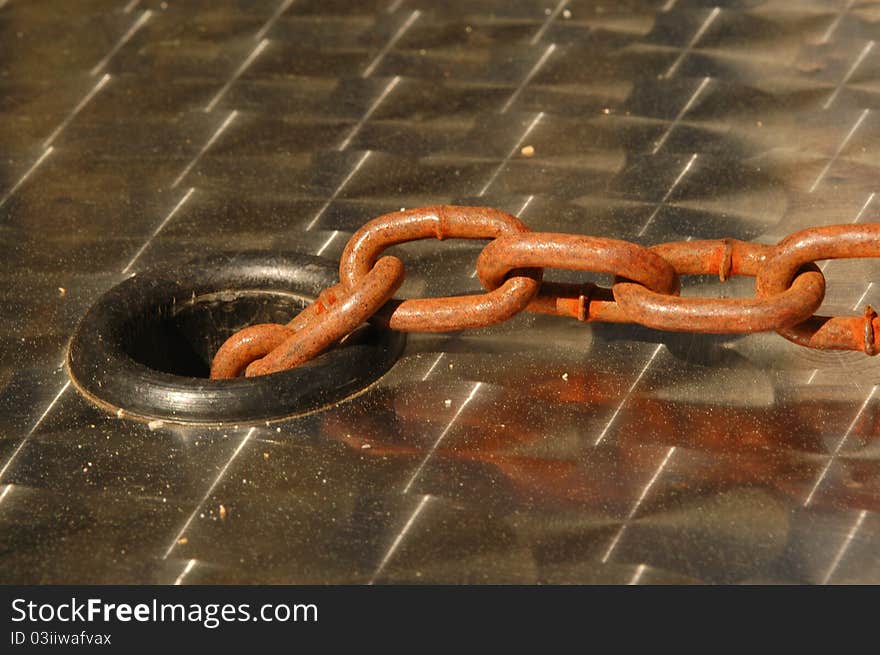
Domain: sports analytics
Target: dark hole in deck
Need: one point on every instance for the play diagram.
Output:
(182, 336)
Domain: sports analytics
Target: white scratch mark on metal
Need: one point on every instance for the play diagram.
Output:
(378, 101)
(864, 208)
(48, 151)
(844, 546)
(549, 20)
(238, 73)
(833, 26)
(864, 53)
(537, 119)
(138, 24)
(433, 366)
(33, 429)
(668, 194)
(632, 387)
(638, 503)
(189, 567)
(692, 43)
(840, 148)
(637, 575)
(225, 124)
(399, 538)
(327, 243)
(528, 78)
(681, 114)
(100, 84)
(413, 17)
(339, 189)
(837, 448)
(283, 7)
(208, 493)
(443, 434)
(862, 297)
(525, 206)
(161, 226)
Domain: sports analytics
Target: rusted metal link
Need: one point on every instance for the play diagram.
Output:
(257, 341)
(724, 257)
(789, 287)
(311, 331)
(245, 346)
(577, 252)
(330, 325)
(326, 299)
(584, 302)
(812, 245)
(441, 222)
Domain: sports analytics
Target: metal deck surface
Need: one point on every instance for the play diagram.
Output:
(141, 133)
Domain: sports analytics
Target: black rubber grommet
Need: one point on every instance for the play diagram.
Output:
(145, 347)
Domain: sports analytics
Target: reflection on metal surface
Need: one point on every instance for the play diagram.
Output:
(785, 135)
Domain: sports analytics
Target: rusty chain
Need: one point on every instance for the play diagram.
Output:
(788, 287)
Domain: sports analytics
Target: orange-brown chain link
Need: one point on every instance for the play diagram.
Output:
(789, 287)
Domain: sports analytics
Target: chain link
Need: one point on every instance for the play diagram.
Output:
(789, 287)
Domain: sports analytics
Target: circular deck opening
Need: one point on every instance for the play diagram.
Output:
(146, 346)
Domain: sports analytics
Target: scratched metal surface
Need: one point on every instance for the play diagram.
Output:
(144, 132)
